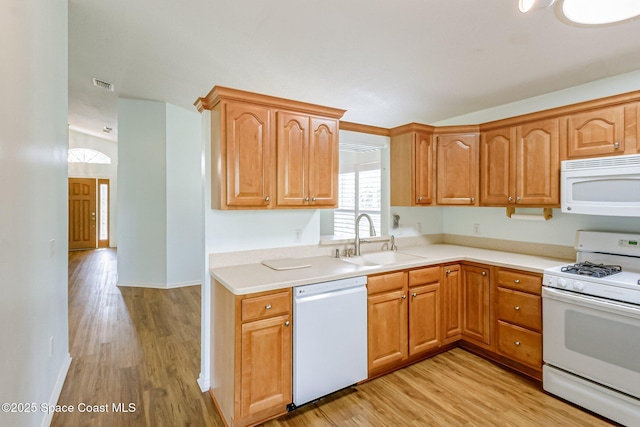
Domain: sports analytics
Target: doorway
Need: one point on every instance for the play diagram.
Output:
(88, 213)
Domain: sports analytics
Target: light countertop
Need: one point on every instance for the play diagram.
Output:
(252, 278)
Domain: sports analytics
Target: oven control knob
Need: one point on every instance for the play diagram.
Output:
(578, 286)
(552, 281)
(562, 283)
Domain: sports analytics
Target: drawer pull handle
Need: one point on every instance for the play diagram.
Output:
(266, 199)
(484, 273)
(448, 271)
(404, 297)
(516, 308)
(414, 295)
(517, 343)
(268, 307)
(516, 281)
(287, 323)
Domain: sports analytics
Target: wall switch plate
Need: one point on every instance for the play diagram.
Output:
(298, 237)
(476, 229)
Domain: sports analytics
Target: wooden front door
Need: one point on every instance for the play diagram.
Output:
(82, 213)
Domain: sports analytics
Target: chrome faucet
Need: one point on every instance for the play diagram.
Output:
(372, 231)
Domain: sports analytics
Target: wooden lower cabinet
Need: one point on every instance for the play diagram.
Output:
(519, 317)
(387, 310)
(424, 310)
(404, 316)
(251, 355)
(265, 366)
(476, 317)
(451, 307)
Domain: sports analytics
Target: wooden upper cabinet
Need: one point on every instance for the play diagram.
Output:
(269, 152)
(411, 171)
(457, 169)
(292, 138)
(307, 160)
(596, 133)
(498, 166)
(538, 163)
(323, 163)
(248, 160)
(423, 164)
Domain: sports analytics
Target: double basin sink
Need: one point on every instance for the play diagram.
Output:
(376, 259)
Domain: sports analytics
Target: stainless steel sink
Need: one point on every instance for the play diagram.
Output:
(374, 259)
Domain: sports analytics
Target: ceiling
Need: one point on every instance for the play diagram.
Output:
(386, 62)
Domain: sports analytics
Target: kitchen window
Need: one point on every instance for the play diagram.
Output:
(359, 192)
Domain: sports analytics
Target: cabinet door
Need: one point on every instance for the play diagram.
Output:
(292, 135)
(266, 365)
(498, 167)
(451, 305)
(323, 162)
(457, 169)
(423, 163)
(248, 148)
(387, 329)
(538, 164)
(424, 318)
(596, 133)
(475, 318)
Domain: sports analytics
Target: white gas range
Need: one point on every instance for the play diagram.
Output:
(591, 326)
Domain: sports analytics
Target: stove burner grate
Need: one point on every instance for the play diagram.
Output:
(590, 269)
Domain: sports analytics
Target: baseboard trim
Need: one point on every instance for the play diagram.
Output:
(203, 383)
(57, 390)
(159, 285)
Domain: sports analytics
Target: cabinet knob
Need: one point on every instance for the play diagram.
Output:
(266, 199)
(516, 281)
(517, 343)
(517, 199)
(616, 145)
(510, 198)
(473, 199)
(287, 323)
(414, 295)
(448, 271)
(516, 308)
(420, 198)
(268, 307)
(404, 297)
(484, 273)
(313, 199)
(306, 199)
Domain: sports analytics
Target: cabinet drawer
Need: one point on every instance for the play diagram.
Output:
(424, 276)
(520, 344)
(520, 308)
(386, 282)
(520, 281)
(266, 306)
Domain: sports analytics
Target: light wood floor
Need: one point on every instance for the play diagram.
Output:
(142, 346)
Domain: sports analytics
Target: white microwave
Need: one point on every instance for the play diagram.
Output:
(601, 186)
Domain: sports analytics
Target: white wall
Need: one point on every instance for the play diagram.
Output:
(623, 83)
(33, 196)
(160, 225)
(142, 214)
(185, 222)
(94, 170)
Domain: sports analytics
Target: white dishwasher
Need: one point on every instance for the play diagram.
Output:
(329, 337)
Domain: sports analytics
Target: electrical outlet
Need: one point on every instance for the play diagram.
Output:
(298, 237)
(419, 227)
(476, 229)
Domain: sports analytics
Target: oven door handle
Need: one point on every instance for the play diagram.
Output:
(602, 304)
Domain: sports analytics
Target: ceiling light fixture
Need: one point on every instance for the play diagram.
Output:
(600, 12)
(588, 12)
(529, 5)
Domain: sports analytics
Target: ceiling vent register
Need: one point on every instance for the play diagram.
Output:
(103, 85)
